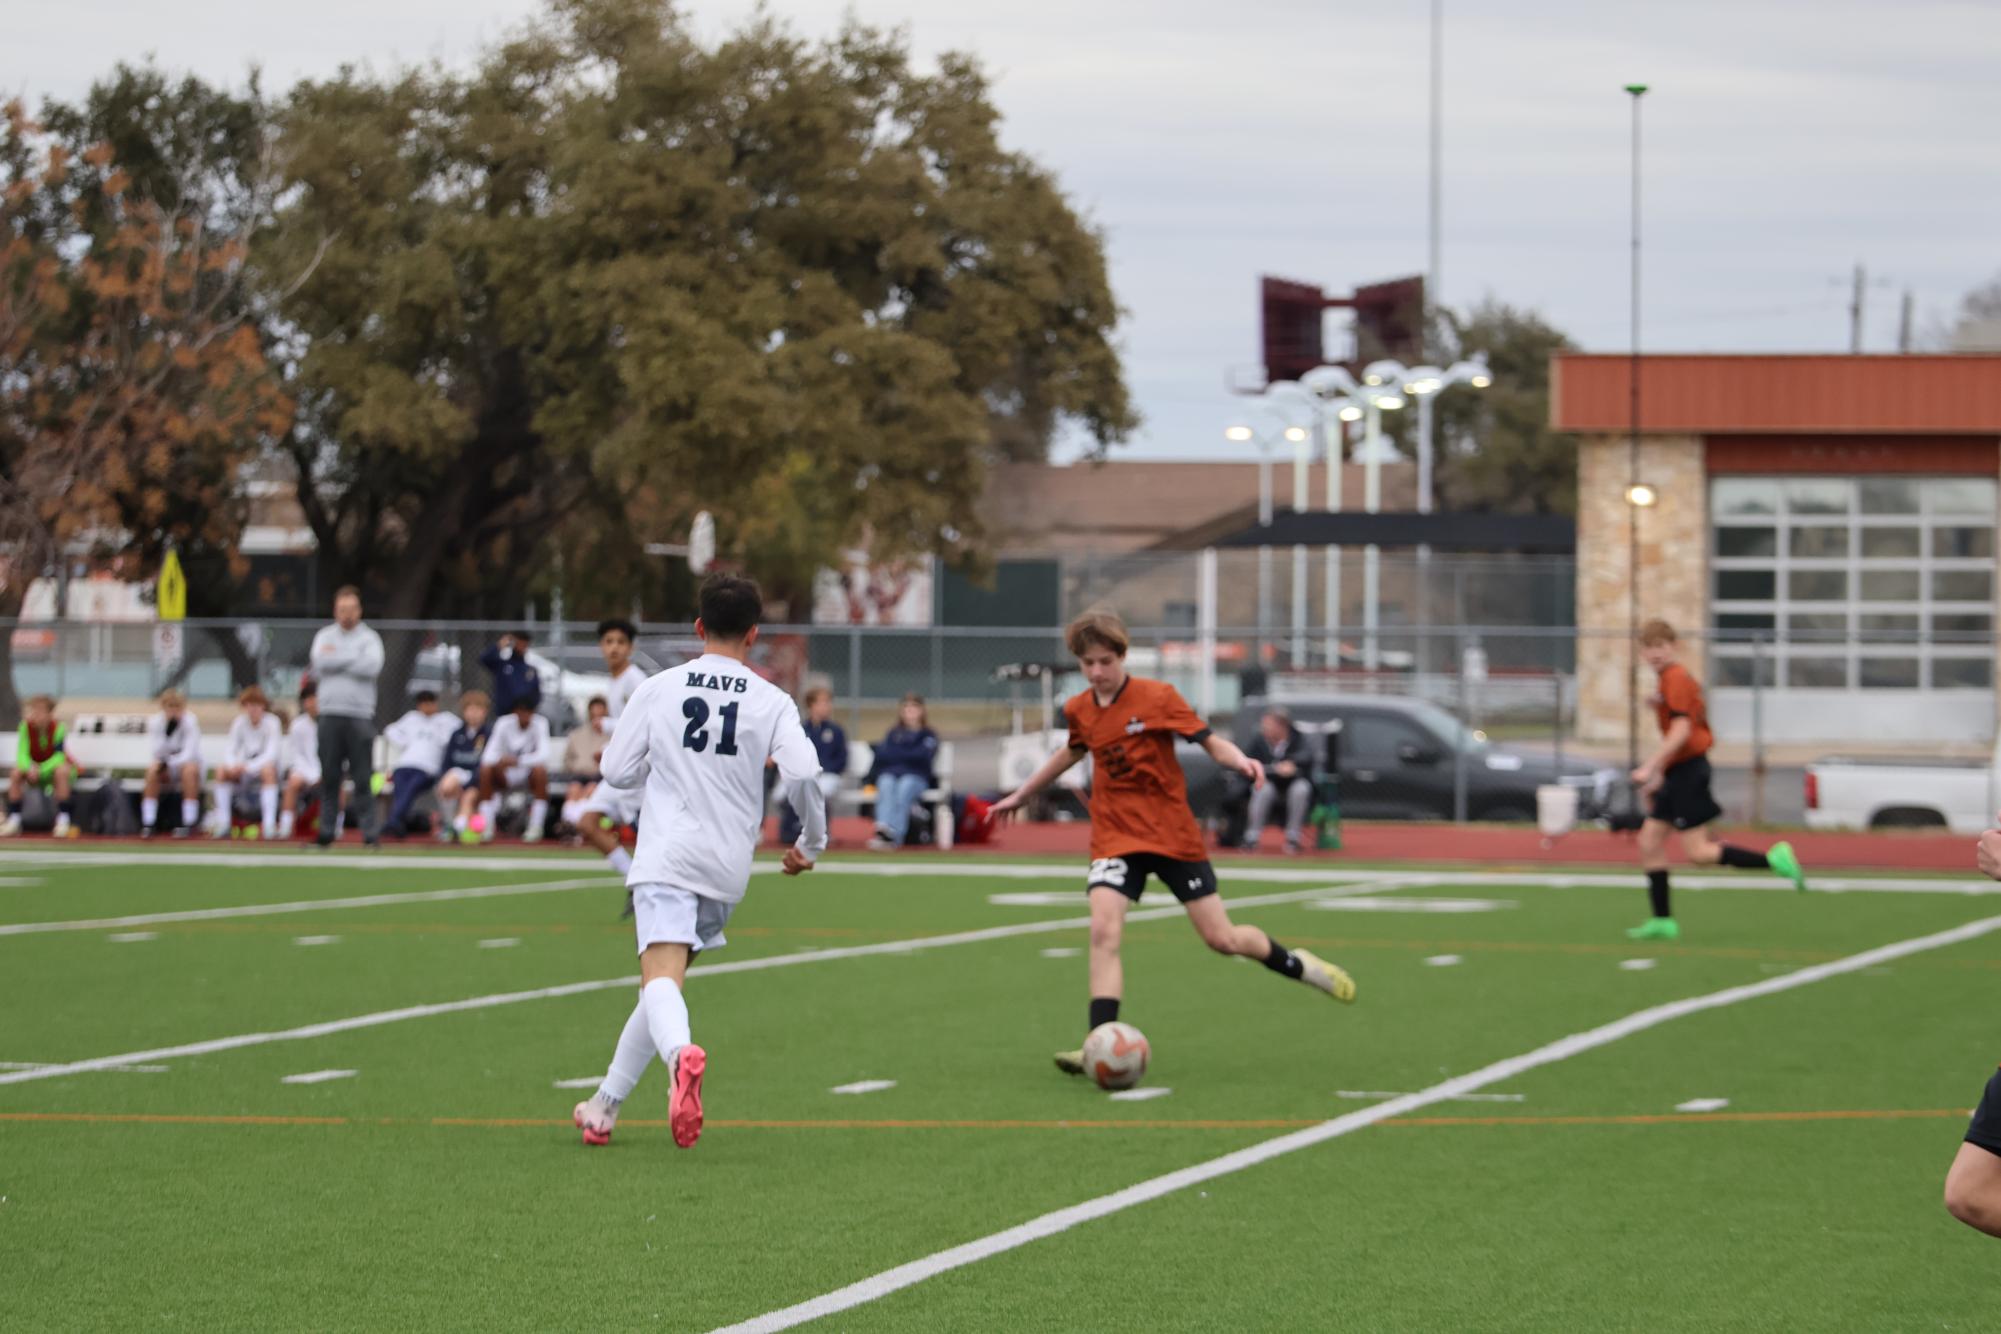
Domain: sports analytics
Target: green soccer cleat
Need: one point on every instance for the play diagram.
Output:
(1324, 976)
(1070, 1062)
(1656, 928)
(1787, 863)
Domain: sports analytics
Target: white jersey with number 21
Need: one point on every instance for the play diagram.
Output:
(698, 736)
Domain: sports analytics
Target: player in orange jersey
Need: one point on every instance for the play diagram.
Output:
(1140, 821)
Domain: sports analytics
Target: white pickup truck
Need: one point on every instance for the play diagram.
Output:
(1903, 793)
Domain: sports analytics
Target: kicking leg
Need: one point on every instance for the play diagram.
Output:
(1973, 1189)
(1706, 851)
(1212, 922)
(663, 967)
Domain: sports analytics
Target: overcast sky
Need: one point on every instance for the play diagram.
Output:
(1785, 141)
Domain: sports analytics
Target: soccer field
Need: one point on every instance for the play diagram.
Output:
(278, 1092)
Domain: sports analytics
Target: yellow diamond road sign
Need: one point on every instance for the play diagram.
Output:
(172, 599)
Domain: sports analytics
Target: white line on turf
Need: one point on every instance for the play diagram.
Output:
(1448, 906)
(586, 1082)
(1140, 1095)
(1358, 1095)
(1443, 961)
(1702, 1105)
(1061, 952)
(318, 1076)
(132, 937)
(500, 943)
(20, 881)
(109, 1069)
(315, 940)
(380, 1017)
(1638, 965)
(881, 1285)
(607, 879)
(864, 1086)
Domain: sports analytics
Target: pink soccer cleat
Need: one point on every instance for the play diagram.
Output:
(595, 1120)
(684, 1105)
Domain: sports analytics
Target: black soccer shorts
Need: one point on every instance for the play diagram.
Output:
(1187, 881)
(1684, 800)
(1985, 1130)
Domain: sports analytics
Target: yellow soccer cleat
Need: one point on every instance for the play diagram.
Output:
(1327, 977)
(1071, 1062)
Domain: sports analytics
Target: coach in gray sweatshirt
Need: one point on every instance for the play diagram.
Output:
(346, 659)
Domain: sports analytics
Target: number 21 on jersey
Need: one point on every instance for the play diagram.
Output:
(696, 737)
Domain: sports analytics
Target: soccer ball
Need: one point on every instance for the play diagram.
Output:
(1115, 1055)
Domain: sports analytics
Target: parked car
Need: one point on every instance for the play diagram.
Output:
(1917, 792)
(1397, 759)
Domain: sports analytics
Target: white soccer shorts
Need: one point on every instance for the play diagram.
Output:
(669, 915)
(620, 803)
(310, 775)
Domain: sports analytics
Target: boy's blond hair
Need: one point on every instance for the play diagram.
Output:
(171, 698)
(1655, 633)
(478, 697)
(1098, 628)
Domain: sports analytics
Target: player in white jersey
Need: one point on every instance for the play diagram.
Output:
(698, 737)
(254, 750)
(173, 740)
(517, 755)
(609, 807)
(302, 759)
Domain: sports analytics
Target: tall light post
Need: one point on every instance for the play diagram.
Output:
(1635, 489)
(1269, 428)
(1425, 383)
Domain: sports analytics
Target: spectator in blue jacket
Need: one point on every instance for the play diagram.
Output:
(904, 767)
(832, 743)
(513, 675)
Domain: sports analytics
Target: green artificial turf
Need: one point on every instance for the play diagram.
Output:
(442, 1187)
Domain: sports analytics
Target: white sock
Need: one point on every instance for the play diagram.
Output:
(538, 813)
(490, 808)
(620, 859)
(225, 813)
(573, 811)
(190, 811)
(666, 1017)
(629, 1061)
(149, 812)
(267, 802)
(459, 823)
(286, 823)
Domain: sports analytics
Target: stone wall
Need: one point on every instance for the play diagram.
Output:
(1673, 568)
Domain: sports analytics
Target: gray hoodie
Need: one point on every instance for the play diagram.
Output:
(346, 663)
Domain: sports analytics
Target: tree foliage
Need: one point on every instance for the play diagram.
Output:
(1497, 450)
(616, 275)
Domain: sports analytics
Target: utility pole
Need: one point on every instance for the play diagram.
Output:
(1855, 310)
(1432, 294)
(1904, 325)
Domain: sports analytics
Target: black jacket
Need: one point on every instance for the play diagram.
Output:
(1295, 747)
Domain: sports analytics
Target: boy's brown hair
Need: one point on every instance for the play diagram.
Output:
(171, 698)
(40, 701)
(819, 692)
(1656, 632)
(1097, 628)
(479, 697)
(254, 695)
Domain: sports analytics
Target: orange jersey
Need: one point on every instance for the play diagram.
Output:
(1139, 796)
(1681, 697)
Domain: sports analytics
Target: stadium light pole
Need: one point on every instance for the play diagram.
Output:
(1275, 427)
(1638, 495)
(1424, 383)
(1381, 391)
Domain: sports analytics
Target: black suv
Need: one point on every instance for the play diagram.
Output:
(1397, 759)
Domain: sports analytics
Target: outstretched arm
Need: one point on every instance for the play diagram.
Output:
(1230, 755)
(1052, 768)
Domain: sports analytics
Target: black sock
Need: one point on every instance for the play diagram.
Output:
(68, 807)
(1104, 1010)
(1283, 960)
(1657, 892)
(1744, 858)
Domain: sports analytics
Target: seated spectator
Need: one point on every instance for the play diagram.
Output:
(583, 749)
(832, 743)
(41, 759)
(422, 735)
(1288, 760)
(513, 675)
(517, 756)
(460, 780)
(254, 749)
(903, 769)
(174, 738)
(302, 759)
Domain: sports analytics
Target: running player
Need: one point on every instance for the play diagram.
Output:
(608, 808)
(1140, 821)
(698, 737)
(253, 749)
(1973, 1185)
(1675, 779)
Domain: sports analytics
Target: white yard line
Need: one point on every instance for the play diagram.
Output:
(903, 1276)
(605, 880)
(381, 1017)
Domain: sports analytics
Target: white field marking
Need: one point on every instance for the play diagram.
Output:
(881, 1285)
(1638, 965)
(1061, 952)
(319, 1076)
(313, 905)
(110, 1069)
(301, 859)
(1363, 904)
(1443, 961)
(132, 937)
(1702, 1105)
(380, 1017)
(864, 1086)
(20, 881)
(1359, 1095)
(587, 1082)
(500, 943)
(316, 940)
(1139, 1095)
